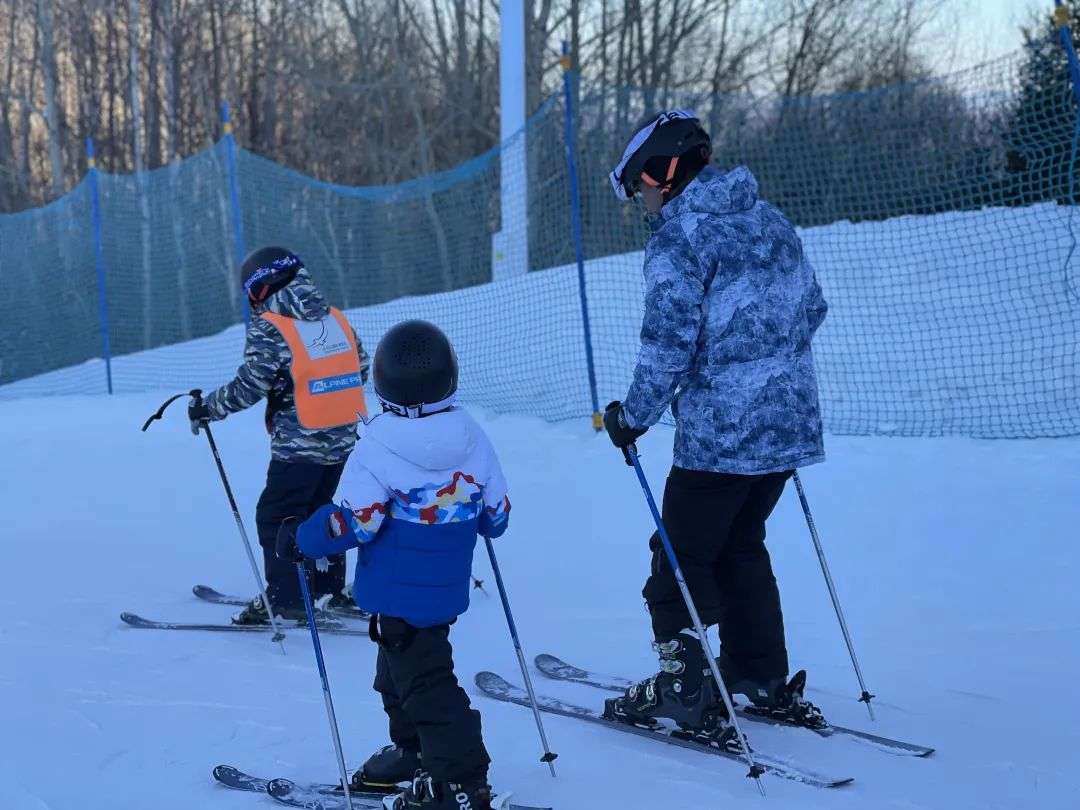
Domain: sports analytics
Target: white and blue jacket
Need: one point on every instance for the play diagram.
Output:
(414, 495)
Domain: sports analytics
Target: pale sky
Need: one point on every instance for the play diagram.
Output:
(989, 28)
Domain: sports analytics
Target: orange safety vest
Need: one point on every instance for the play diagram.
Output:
(325, 369)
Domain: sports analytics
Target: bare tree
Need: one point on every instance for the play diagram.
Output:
(52, 107)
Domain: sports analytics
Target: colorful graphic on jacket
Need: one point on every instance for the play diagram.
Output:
(459, 500)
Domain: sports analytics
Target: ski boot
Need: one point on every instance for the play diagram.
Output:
(426, 794)
(255, 612)
(680, 692)
(782, 701)
(386, 769)
(339, 601)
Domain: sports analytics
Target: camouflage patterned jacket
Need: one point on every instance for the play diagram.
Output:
(265, 373)
(731, 305)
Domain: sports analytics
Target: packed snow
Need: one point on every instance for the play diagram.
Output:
(956, 560)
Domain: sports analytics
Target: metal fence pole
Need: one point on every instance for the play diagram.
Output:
(575, 226)
(239, 248)
(99, 260)
(1062, 21)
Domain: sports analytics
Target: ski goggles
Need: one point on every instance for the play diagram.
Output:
(270, 277)
(418, 411)
(640, 137)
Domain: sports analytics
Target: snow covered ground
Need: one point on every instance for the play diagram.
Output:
(957, 561)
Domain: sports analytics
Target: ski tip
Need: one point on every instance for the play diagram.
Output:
(493, 682)
(203, 591)
(223, 772)
(133, 619)
(279, 788)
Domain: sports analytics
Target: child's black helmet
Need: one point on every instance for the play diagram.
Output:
(415, 369)
(267, 270)
(667, 151)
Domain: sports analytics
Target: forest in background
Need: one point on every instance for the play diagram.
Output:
(366, 92)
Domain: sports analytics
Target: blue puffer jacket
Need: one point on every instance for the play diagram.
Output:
(731, 305)
(413, 497)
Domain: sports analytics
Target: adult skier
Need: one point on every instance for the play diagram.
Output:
(304, 357)
(413, 498)
(731, 305)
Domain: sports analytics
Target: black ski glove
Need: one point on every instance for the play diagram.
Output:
(285, 548)
(198, 413)
(621, 434)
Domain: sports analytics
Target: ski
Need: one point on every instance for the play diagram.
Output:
(315, 796)
(208, 594)
(495, 686)
(311, 797)
(560, 670)
(134, 620)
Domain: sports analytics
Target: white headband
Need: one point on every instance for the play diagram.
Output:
(637, 142)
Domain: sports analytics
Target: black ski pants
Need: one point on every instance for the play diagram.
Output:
(296, 489)
(716, 522)
(429, 711)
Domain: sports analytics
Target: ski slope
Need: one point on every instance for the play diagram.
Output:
(957, 561)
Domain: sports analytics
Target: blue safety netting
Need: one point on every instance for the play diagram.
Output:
(939, 216)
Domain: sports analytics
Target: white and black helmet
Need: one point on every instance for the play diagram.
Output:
(667, 151)
(415, 370)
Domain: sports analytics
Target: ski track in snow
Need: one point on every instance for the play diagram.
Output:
(956, 561)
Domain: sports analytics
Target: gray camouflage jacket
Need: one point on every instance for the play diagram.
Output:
(265, 373)
(731, 305)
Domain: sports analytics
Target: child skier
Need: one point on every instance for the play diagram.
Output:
(425, 482)
(305, 359)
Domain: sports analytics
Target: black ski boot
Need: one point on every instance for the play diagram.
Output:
(783, 701)
(679, 692)
(255, 612)
(386, 769)
(340, 601)
(426, 794)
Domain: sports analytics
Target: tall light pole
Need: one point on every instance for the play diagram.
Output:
(510, 246)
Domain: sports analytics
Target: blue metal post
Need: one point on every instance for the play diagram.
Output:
(99, 260)
(239, 249)
(1061, 19)
(575, 224)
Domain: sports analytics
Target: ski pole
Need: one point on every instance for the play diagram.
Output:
(549, 756)
(196, 394)
(630, 452)
(866, 695)
(309, 608)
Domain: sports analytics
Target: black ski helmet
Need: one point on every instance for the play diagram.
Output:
(415, 370)
(666, 151)
(267, 270)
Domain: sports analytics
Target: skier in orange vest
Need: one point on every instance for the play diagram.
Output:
(304, 357)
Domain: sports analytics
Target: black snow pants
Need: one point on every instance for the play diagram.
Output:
(296, 489)
(716, 522)
(429, 711)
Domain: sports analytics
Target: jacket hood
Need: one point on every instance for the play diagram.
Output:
(437, 442)
(299, 299)
(716, 192)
